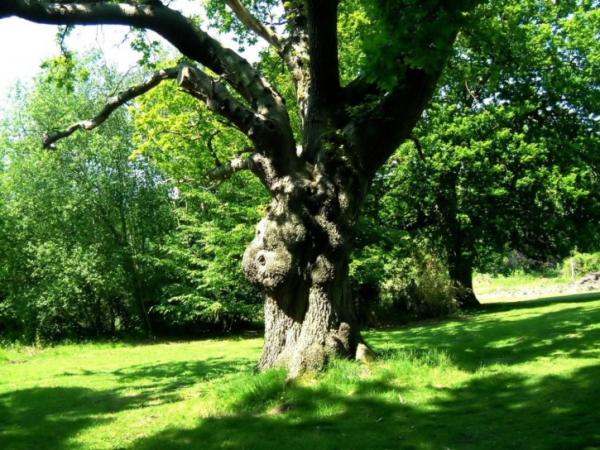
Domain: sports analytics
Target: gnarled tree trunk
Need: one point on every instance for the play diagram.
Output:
(299, 257)
(307, 325)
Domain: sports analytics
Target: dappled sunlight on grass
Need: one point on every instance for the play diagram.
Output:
(507, 336)
(526, 377)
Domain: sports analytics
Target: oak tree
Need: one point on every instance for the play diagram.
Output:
(318, 173)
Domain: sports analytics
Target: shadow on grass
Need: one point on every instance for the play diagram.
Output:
(489, 411)
(48, 417)
(472, 344)
(169, 377)
(165, 378)
(544, 301)
(494, 412)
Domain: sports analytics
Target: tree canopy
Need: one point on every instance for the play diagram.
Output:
(506, 157)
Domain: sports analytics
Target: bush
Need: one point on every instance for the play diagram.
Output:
(392, 289)
(580, 264)
(424, 292)
(70, 294)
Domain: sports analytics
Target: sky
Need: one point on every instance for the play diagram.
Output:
(25, 45)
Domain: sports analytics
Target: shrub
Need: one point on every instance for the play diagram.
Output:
(581, 264)
(391, 289)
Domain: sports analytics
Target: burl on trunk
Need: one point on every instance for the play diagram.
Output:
(299, 257)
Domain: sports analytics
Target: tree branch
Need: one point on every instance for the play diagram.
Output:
(224, 171)
(209, 90)
(418, 146)
(391, 121)
(323, 51)
(218, 99)
(277, 147)
(254, 24)
(211, 149)
(359, 90)
(295, 52)
(323, 79)
(112, 104)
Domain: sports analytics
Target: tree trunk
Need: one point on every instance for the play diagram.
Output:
(307, 325)
(459, 244)
(137, 292)
(299, 257)
(460, 270)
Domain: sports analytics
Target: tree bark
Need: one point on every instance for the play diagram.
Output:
(460, 270)
(305, 327)
(299, 257)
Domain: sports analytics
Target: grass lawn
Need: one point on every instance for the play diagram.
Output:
(485, 283)
(513, 376)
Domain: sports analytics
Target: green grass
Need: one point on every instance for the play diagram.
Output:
(485, 283)
(514, 376)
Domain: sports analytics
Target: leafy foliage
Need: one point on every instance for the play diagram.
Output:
(507, 155)
(87, 219)
(214, 222)
(406, 34)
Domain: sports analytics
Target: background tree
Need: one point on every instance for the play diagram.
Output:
(117, 238)
(507, 155)
(84, 223)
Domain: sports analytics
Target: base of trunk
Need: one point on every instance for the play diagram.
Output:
(308, 345)
(467, 299)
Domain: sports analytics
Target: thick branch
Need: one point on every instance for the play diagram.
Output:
(323, 51)
(393, 118)
(254, 24)
(111, 105)
(395, 113)
(218, 99)
(274, 159)
(359, 91)
(295, 51)
(324, 83)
